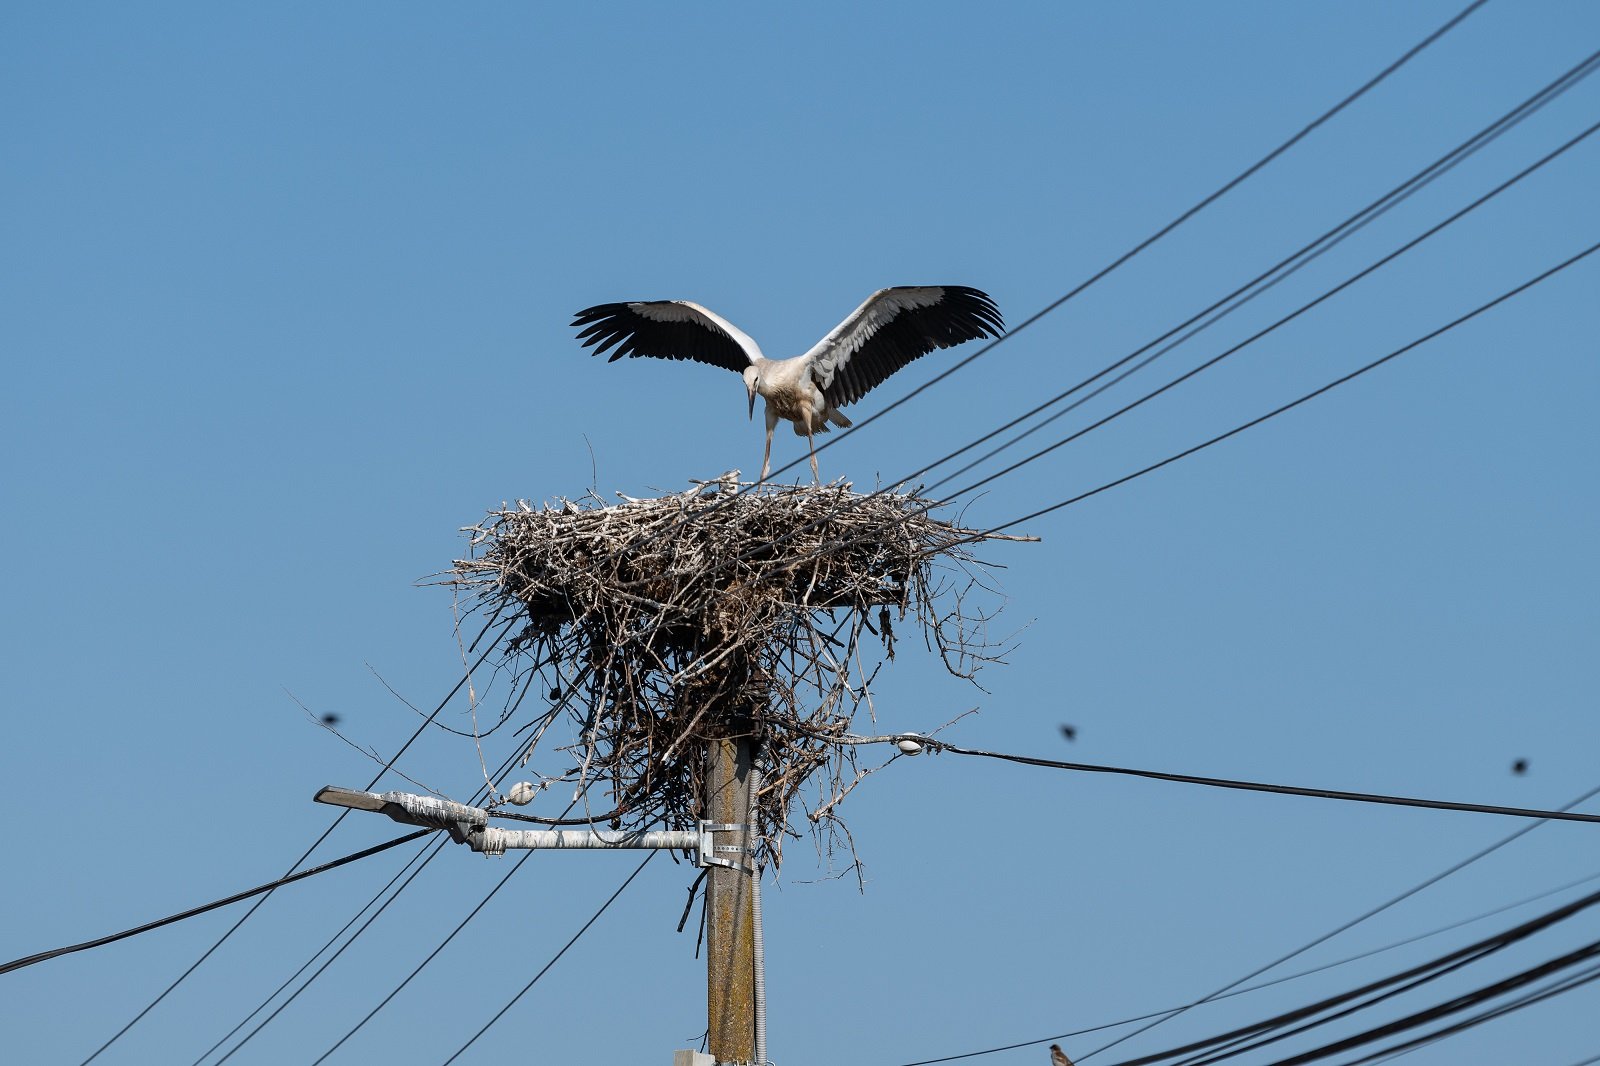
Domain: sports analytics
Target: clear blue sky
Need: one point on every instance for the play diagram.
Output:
(284, 301)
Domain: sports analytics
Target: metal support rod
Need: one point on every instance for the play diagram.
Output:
(469, 825)
(492, 840)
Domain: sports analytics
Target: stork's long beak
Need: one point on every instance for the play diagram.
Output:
(750, 387)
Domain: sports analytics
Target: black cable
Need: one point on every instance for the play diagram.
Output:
(1452, 1006)
(1471, 952)
(1291, 316)
(1350, 924)
(432, 954)
(1527, 999)
(315, 844)
(557, 958)
(1258, 786)
(29, 960)
(1371, 83)
(1232, 990)
(1275, 412)
(1274, 274)
(482, 792)
(407, 979)
(280, 1008)
(422, 851)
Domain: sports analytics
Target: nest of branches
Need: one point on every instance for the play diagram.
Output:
(731, 610)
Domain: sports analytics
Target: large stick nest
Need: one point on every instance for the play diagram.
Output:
(728, 610)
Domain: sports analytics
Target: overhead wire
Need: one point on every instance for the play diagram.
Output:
(1291, 316)
(1526, 999)
(334, 939)
(555, 959)
(1374, 991)
(1260, 786)
(1232, 990)
(164, 993)
(425, 857)
(206, 908)
(1273, 275)
(1305, 398)
(1346, 926)
(1453, 1006)
(498, 885)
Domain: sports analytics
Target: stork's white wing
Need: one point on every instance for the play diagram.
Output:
(666, 329)
(894, 327)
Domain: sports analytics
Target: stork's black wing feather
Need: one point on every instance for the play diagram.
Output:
(894, 327)
(665, 329)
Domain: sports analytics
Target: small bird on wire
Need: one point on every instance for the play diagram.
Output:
(891, 329)
(1058, 1057)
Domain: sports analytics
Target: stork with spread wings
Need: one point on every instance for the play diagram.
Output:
(891, 329)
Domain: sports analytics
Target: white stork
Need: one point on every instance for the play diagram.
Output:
(891, 329)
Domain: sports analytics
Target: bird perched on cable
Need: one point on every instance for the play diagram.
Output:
(891, 329)
(1058, 1057)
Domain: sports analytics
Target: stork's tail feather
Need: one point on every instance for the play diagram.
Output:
(833, 415)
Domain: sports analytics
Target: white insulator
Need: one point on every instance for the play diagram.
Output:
(909, 746)
(522, 793)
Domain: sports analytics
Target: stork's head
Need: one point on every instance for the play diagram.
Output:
(752, 383)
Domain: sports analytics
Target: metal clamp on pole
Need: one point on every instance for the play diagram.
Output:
(708, 849)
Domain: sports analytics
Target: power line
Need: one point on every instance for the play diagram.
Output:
(432, 954)
(315, 844)
(1232, 990)
(280, 1008)
(1452, 1006)
(1353, 922)
(557, 958)
(407, 979)
(1258, 786)
(1375, 991)
(1275, 274)
(1227, 187)
(316, 954)
(1275, 412)
(1291, 316)
(482, 791)
(1527, 999)
(29, 960)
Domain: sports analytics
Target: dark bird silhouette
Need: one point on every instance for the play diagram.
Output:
(1520, 766)
(1058, 1057)
(330, 719)
(1070, 732)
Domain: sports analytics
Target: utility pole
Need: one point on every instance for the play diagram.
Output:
(730, 915)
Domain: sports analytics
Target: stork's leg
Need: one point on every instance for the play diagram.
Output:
(812, 444)
(766, 452)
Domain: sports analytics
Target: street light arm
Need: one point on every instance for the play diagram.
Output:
(428, 811)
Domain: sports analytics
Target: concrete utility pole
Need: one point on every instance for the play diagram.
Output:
(730, 915)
